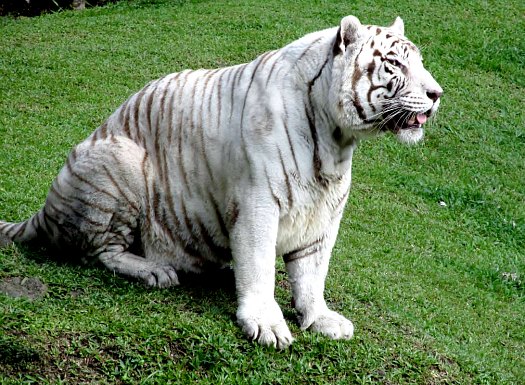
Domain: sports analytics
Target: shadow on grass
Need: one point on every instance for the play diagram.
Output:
(16, 352)
(213, 283)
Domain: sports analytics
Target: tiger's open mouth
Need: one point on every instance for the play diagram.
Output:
(406, 120)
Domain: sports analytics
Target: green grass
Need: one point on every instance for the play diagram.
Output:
(436, 293)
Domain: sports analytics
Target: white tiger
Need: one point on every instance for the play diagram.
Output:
(239, 165)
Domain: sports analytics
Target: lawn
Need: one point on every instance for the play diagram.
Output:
(430, 259)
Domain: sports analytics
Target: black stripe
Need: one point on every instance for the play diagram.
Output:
(85, 181)
(219, 97)
(316, 158)
(304, 251)
(340, 205)
(19, 229)
(218, 215)
(73, 154)
(38, 226)
(149, 106)
(121, 192)
(171, 103)
(233, 213)
(94, 138)
(370, 74)
(156, 136)
(254, 72)
(146, 186)
(174, 232)
(162, 102)
(180, 163)
(313, 130)
(190, 230)
(287, 181)
(170, 204)
(213, 247)
(201, 113)
(336, 48)
(189, 111)
(124, 118)
(269, 76)
(209, 95)
(47, 218)
(290, 144)
(135, 129)
(307, 49)
(238, 74)
(179, 136)
(156, 200)
(357, 104)
(77, 214)
(274, 196)
(104, 130)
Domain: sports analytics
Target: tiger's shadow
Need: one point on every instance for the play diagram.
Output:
(208, 294)
(198, 292)
(204, 285)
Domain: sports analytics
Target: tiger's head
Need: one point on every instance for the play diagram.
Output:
(379, 82)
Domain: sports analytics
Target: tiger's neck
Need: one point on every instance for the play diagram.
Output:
(332, 146)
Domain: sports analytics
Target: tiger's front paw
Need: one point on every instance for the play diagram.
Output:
(264, 322)
(333, 325)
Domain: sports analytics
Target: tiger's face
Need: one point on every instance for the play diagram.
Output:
(384, 81)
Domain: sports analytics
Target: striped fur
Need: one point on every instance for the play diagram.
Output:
(205, 168)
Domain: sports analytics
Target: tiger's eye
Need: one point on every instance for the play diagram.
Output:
(395, 62)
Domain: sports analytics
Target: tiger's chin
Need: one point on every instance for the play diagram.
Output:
(410, 135)
(410, 129)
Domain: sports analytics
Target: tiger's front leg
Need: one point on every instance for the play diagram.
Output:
(307, 269)
(253, 242)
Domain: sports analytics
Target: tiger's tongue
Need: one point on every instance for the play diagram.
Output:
(421, 118)
(416, 120)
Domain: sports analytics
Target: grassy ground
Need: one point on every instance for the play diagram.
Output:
(430, 261)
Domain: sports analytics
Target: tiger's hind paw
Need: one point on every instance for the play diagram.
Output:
(130, 265)
(161, 277)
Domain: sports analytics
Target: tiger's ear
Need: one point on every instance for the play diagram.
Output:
(348, 33)
(398, 26)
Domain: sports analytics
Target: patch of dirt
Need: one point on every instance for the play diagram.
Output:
(31, 288)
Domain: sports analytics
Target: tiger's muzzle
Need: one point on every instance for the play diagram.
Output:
(404, 120)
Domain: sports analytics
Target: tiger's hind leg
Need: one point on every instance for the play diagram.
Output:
(152, 273)
(97, 207)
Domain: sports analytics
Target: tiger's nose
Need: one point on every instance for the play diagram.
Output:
(434, 95)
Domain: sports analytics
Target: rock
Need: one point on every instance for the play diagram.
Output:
(19, 287)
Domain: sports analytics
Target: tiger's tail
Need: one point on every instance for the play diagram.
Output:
(26, 232)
